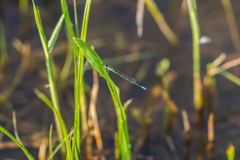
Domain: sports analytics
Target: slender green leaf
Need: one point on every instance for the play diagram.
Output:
(76, 18)
(96, 62)
(55, 33)
(40, 28)
(17, 142)
(60, 119)
(56, 150)
(68, 24)
(196, 54)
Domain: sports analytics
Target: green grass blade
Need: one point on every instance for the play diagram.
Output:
(92, 57)
(159, 18)
(85, 20)
(68, 24)
(96, 62)
(60, 119)
(76, 18)
(15, 127)
(17, 142)
(15, 131)
(79, 81)
(55, 33)
(196, 54)
(40, 28)
(230, 152)
(56, 150)
(231, 77)
(51, 80)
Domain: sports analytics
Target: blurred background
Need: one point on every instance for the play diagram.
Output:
(112, 30)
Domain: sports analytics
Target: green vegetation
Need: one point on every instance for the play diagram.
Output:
(85, 129)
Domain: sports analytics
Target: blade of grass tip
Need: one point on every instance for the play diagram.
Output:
(230, 152)
(76, 18)
(15, 130)
(40, 28)
(17, 142)
(42, 149)
(196, 54)
(231, 77)
(3, 45)
(55, 33)
(219, 60)
(158, 17)
(50, 143)
(127, 103)
(51, 80)
(69, 24)
(97, 64)
(15, 126)
(216, 70)
(60, 119)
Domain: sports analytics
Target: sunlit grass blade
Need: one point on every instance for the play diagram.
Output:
(51, 80)
(17, 142)
(15, 127)
(230, 152)
(97, 64)
(79, 86)
(76, 18)
(68, 24)
(55, 33)
(196, 54)
(40, 28)
(15, 130)
(159, 18)
(50, 157)
(60, 119)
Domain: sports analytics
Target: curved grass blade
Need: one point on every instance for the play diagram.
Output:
(60, 119)
(97, 64)
(55, 33)
(17, 142)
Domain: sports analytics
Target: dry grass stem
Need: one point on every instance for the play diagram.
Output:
(185, 121)
(225, 66)
(211, 127)
(219, 60)
(170, 103)
(127, 103)
(139, 17)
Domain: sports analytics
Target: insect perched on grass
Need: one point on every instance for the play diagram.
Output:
(110, 68)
